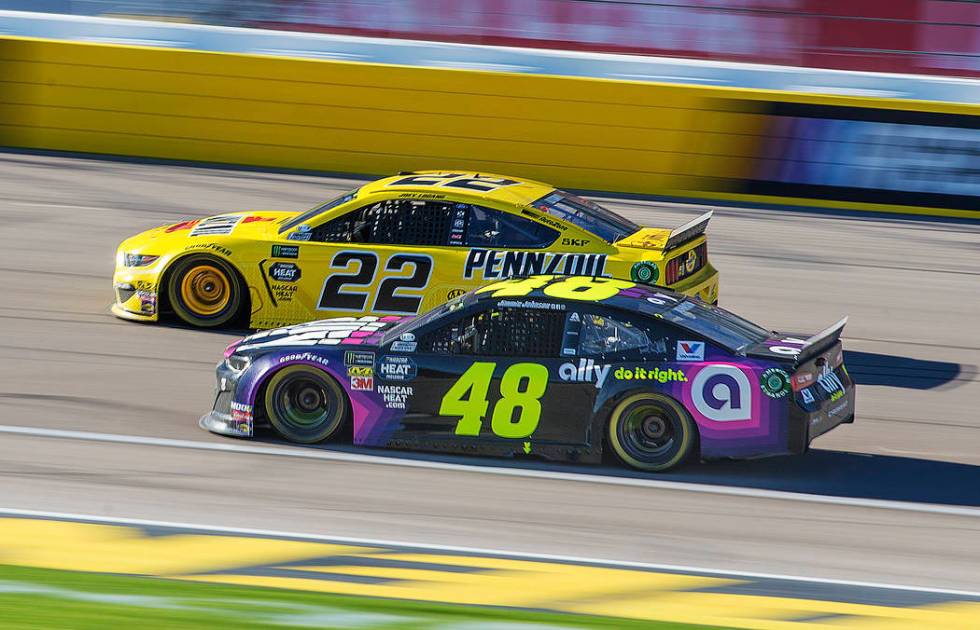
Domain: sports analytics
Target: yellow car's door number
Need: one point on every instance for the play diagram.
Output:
(582, 288)
(350, 291)
(521, 389)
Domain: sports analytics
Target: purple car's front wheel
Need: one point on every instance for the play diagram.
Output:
(304, 404)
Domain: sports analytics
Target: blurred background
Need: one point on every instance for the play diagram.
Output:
(837, 143)
(866, 104)
(907, 36)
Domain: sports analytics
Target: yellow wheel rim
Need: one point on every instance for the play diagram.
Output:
(205, 290)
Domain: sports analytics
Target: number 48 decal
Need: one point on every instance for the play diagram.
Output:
(521, 389)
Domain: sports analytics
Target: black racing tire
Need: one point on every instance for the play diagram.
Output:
(304, 404)
(651, 432)
(205, 291)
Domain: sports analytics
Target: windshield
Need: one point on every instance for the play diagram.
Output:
(309, 214)
(411, 323)
(716, 324)
(587, 215)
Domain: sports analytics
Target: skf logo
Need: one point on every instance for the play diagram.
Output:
(585, 372)
(575, 242)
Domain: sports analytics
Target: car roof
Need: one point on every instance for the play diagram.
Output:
(629, 298)
(522, 193)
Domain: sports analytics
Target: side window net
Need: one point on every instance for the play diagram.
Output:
(492, 228)
(600, 335)
(391, 222)
(508, 332)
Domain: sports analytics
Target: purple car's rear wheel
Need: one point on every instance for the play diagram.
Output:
(651, 432)
(304, 404)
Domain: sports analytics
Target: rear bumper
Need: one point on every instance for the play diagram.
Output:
(805, 427)
(703, 284)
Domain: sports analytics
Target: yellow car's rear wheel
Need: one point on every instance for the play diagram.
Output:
(651, 432)
(205, 291)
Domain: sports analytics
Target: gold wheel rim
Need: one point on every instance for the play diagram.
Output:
(205, 290)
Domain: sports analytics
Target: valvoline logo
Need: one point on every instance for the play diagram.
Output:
(690, 351)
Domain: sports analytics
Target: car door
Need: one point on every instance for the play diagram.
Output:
(385, 257)
(642, 354)
(494, 380)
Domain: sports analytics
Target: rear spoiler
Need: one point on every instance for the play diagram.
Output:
(821, 341)
(689, 231)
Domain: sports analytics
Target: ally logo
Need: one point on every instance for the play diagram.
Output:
(587, 371)
(722, 393)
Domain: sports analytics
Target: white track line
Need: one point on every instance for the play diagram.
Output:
(359, 458)
(518, 555)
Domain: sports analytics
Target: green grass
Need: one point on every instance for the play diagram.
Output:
(43, 598)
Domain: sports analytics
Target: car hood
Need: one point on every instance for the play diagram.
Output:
(257, 224)
(347, 333)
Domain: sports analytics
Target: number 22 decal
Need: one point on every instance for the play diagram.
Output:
(362, 268)
(474, 384)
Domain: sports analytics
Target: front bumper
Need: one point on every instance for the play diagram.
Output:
(136, 298)
(223, 424)
(121, 312)
(228, 417)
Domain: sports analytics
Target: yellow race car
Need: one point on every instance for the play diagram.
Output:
(397, 246)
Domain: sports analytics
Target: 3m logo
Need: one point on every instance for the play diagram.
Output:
(690, 351)
(362, 383)
(722, 393)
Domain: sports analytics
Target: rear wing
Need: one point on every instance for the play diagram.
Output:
(665, 240)
(689, 231)
(821, 341)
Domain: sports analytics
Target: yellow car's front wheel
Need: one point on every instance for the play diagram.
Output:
(205, 291)
(651, 432)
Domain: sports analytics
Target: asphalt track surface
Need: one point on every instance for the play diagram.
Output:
(911, 288)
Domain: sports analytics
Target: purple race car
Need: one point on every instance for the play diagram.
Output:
(564, 368)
